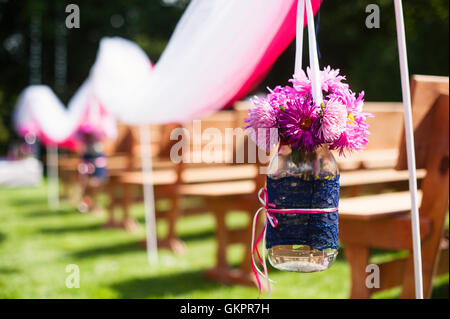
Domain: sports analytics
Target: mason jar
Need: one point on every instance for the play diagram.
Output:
(303, 242)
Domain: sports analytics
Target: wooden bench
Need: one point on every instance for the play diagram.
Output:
(222, 197)
(383, 221)
(167, 180)
(172, 185)
(121, 182)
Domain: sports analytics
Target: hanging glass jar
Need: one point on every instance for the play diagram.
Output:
(309, 182)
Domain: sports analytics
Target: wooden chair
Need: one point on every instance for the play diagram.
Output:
(382, 221)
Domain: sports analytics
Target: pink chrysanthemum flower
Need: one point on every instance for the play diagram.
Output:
(298, 124)
(262, 123)
(333, 120)
(356, 133)
(263, 115)
(280, 94)
(330, 79)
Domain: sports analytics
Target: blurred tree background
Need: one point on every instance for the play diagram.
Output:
(367, 56)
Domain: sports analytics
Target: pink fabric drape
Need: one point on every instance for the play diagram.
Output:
(285, 36)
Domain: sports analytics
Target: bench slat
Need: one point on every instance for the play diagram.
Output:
(376, 176)
(376, 206)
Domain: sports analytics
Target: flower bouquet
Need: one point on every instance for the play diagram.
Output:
(303, 179)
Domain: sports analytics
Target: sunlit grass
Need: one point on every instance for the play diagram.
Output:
(36, 245)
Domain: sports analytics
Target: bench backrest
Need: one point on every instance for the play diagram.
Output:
(430, 108)
(425, 91)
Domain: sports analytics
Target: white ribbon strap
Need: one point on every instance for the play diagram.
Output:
(313, 57)
(299, 41)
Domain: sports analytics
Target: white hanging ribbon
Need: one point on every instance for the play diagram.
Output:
(409, 134)
(299, 38)
(313, 57)
(265, 274)
(312, 45)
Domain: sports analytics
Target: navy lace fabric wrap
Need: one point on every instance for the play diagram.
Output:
(319, 231)
(92, 158)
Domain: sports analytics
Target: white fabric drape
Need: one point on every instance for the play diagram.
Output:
(39, 111)
(215, 48)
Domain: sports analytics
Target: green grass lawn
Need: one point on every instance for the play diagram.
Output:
(37, 244)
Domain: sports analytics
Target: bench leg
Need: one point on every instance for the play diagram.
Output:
(172, 241)
(112, 200)
(430, 263)
(128, 222)
(358, 258)
(222, 272)
(221, 238)
(246, 264)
